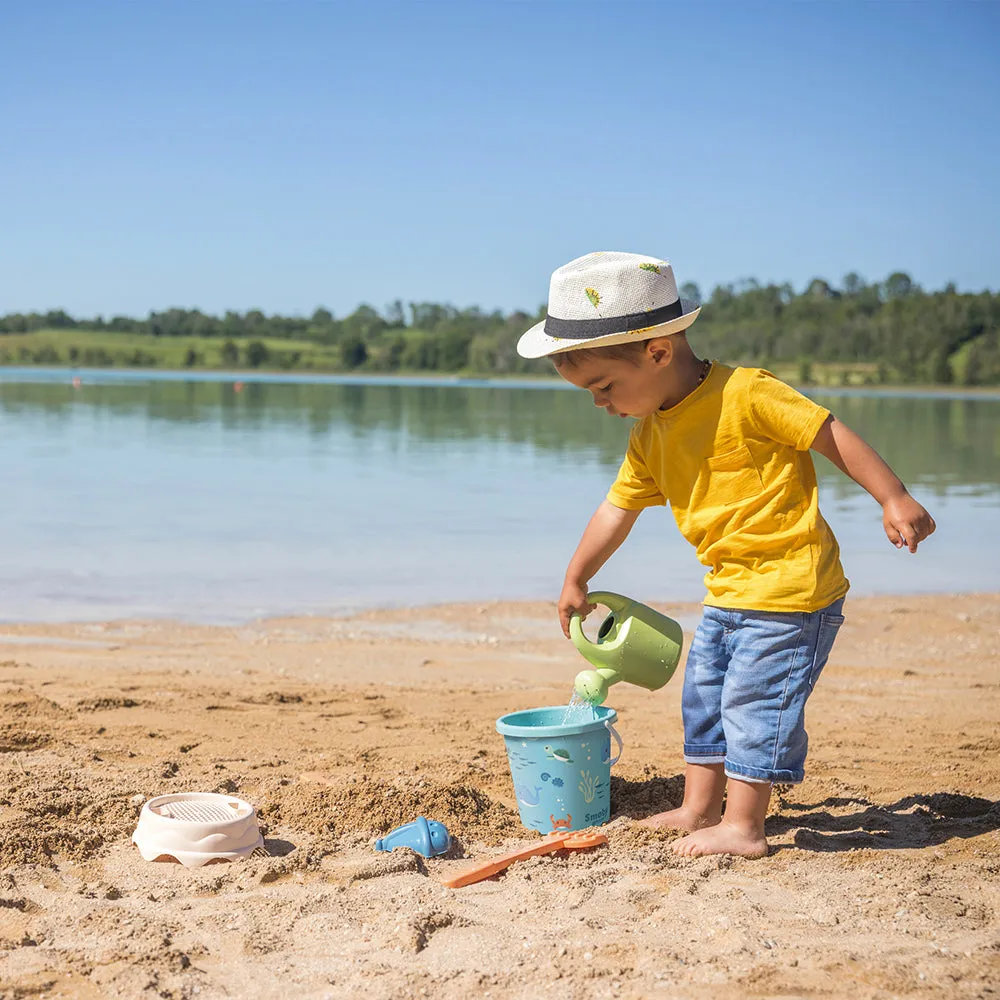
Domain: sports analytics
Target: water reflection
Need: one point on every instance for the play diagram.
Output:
(941, 443)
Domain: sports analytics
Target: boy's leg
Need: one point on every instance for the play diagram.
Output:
(704, 789)
(704, 740)
(741, 831)
(776, 661)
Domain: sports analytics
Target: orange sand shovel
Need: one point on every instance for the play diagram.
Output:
(568, 840)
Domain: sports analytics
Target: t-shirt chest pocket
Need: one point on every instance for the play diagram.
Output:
(729, 478)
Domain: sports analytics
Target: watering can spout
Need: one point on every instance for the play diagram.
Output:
(592, 685)
(634, 644)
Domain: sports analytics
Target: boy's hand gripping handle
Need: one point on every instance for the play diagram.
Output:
(615, 602)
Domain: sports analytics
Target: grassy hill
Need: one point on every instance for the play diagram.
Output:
(100, 349)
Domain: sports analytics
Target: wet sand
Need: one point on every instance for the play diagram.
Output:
(883, 878)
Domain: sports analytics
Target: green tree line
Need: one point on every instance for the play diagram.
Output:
(887, 332)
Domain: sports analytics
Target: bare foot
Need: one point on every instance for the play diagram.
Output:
(681, 818)
(723, 838)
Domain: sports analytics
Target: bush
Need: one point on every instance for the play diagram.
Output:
(97, 357)
(287, 359)
(257, 353)
(353, 353)
(47, 355)
(230, 354)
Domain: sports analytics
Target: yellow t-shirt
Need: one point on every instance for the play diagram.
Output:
(732, 459)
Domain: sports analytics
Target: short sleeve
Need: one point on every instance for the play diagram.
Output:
(783, 413)
(634, 488)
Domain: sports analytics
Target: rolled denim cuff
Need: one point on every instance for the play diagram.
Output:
(759, 775)
(704, 753)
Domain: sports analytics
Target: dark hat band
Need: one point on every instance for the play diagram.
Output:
(584, 329)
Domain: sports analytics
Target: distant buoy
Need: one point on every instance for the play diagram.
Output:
(237, 387)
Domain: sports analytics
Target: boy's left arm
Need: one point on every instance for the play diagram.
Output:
(905, 521)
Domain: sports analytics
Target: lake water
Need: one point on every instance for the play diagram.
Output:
(138, 494)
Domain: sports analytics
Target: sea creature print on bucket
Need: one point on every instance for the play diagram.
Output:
(589, 785)
(528, 796)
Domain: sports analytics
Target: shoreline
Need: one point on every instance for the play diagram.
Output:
(880, 880)
(423, 379)
(17, 627)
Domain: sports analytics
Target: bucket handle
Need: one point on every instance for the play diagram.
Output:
(621, 746)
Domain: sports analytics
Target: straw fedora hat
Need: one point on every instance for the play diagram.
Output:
(606, 298)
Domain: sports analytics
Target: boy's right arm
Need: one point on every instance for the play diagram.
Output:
(607, 529)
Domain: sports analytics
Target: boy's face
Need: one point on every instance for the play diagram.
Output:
(622, 388)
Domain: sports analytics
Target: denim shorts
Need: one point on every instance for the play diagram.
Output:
(746, 682)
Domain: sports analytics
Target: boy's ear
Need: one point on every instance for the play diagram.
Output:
(660, 351)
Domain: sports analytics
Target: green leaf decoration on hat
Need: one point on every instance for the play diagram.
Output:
(650, 267)
(594, 295)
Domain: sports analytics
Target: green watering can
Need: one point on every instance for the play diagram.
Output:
(634, 644)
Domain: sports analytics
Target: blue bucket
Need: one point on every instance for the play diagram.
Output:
(561, 771)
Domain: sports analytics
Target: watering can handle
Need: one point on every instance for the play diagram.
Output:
(576, 632)
(613, 601)
(621, 746)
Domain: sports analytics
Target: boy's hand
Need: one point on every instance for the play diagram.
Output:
(573, 598)
(906, 522)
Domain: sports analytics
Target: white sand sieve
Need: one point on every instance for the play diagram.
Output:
(196, 828)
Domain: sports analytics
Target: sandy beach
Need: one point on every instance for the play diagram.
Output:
(882, 880)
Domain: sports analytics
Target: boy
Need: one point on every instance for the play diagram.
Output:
(729, 450)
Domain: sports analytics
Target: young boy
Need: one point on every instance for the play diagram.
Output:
(728, 449)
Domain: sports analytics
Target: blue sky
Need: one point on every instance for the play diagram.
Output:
(226, 155)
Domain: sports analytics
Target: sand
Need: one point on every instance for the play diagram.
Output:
(882, 880)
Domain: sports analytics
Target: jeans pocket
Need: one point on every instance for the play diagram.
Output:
(829, 626)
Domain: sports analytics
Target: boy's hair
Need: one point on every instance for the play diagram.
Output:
(630, 350)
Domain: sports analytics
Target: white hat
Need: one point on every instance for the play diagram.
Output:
(607, 298)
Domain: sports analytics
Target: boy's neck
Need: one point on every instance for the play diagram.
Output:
(687, 372)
